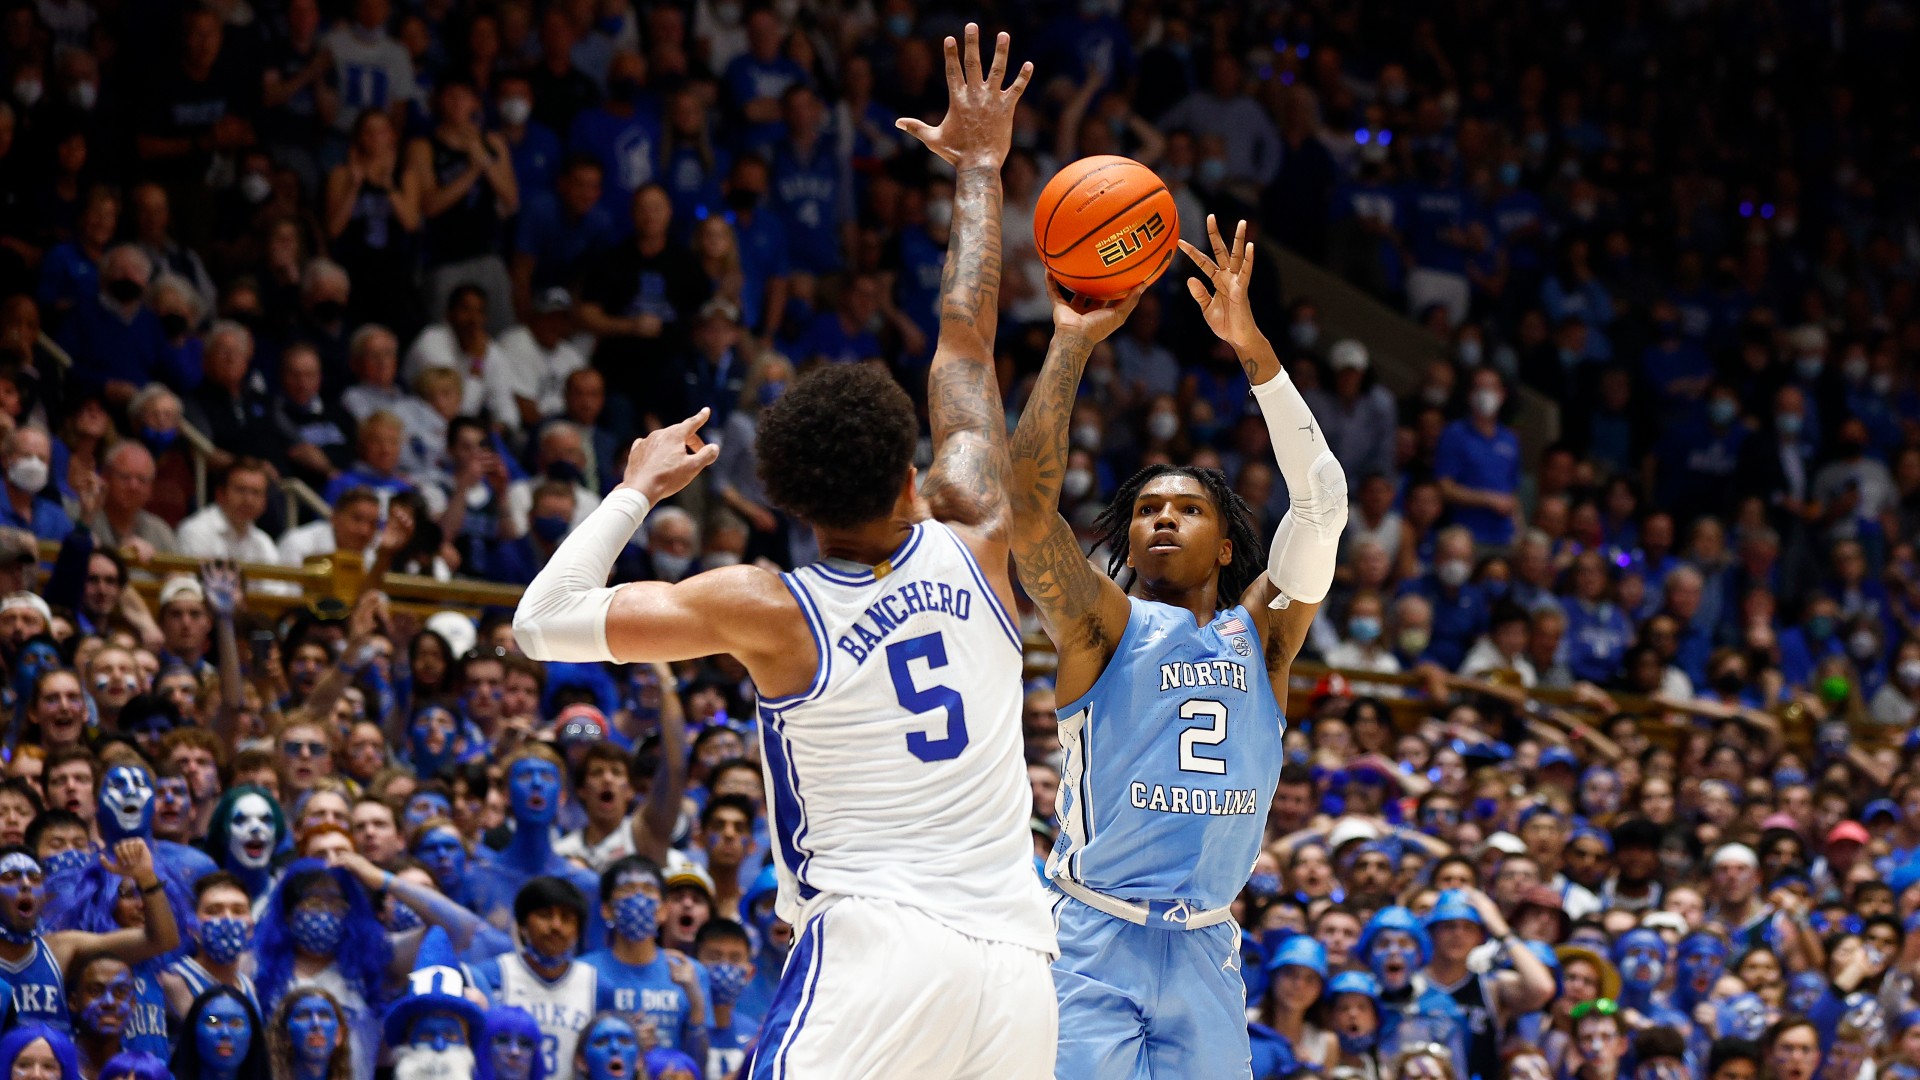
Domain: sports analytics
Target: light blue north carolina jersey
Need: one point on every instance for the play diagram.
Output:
(1172, 758)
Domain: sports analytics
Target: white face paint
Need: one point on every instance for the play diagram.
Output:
(250, 831)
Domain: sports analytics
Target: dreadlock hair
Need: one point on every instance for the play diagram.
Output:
(1249, 554)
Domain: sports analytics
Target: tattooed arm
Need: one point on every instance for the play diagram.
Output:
(1084, 611)
(967, 485)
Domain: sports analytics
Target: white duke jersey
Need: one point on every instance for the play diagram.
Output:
(561, 1008)
(899, 774)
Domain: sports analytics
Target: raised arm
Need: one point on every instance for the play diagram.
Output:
(1084, 611)
(1300, 561)
(569, 613)
(131, 859)
(967, 485)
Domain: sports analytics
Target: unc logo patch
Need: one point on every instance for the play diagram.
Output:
(1242, 646)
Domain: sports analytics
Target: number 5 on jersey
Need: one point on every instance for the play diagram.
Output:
(1213, 735)
(933, 649)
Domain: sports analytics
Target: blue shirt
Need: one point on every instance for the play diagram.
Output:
(627, 148)
(68, 275)
(1459, 617)
(763, 257)
(106, 348)
(827, 339)
(536, 160)
(649, 989)
(1176, 750)
(39, 990)
(47, 521)
(749, 79)
(806, 194)
(1597, 637)
(361, 476)
(916, 289)
(1437, 208)
(727, 1046)
(1482, 463)
(560, 245)
(693, 185)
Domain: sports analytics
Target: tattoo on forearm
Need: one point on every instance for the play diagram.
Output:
(970, 284)
(968, 481)
(1064, 588)
(1039, 448)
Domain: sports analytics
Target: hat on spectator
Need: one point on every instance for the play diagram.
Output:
(1331, 685)
(1848, 832)
(438, 985)
(580, 723)
(1505, 842)
(28, 600)
(1558, 755)
(1588, 832)
(18, 546)
(1781, 821)
(1609, 975)
(181, 587)
(1300, 950)
(691, 874)
(1349, 830)
(553, 300)
(720, 308)
(1877, 807)
(1452, 906)
(455, 629)
(1347, 355)
(1665, 920)
(1732, 854)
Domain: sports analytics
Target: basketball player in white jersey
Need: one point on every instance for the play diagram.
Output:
(888, 673)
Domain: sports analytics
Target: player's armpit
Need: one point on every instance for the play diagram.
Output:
(742, 610)
(1282, 630)
(1084, 611)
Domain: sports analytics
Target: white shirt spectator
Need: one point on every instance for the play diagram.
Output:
(207, 534)
(1357, 657)
(363, 401)
(1386, 534)
(301, 543)
(371, 69)
(534, 373)
(490, 388)
(425, 445)
(1485, 657)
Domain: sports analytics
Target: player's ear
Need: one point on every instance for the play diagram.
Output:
(1226, 553)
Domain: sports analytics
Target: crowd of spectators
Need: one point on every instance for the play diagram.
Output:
(441, 260)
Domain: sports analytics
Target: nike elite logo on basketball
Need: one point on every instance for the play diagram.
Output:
(1129, 241)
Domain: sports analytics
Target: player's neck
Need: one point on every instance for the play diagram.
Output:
(1204, 601)
(869, 545)
(629, 951)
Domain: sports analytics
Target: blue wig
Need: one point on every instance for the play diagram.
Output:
(26, 1034)
(364, 953)
(84, 899)
(509, 1020)
(129, 1065)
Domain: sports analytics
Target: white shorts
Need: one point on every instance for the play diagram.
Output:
(874, 990)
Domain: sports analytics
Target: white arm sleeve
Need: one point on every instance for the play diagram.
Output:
(563, 615)
(1301, 560)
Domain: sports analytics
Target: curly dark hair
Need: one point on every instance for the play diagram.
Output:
(1249, 554)
(835, 448)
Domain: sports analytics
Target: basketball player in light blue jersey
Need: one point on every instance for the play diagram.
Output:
(1172, 717)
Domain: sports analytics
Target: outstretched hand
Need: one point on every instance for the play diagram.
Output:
(1090, 318)
(661, 464)
(1225, 306)
(978, 127)
(220, 581)
(131, 858)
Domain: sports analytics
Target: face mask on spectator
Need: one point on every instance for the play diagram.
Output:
(1453, 573)
(27, 91)
(515, 110)
(1723, 410)
(671, 566)
(255, 188)
(1862, 644)
(1486, 402)
(84, 95)
(1364, 628)
(1211, 172)
(1470, 353)
(125, 290)
(1510, 174)
(1414, 640)
(1909, 672)
(1854, 368)
(1808, 367)
(549, 529)
(29, 474)
(1882, 382)
(1163, 426)
(328, 311)
(1304, 333)
(1788, 423)
(1076, 483)
(173, 324)
(1086, 437)
(940, 213)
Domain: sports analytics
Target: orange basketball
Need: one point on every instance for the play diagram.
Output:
(1105, 224)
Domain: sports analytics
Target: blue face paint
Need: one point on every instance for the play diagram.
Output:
(1702, 959)
(513, 1056)
(430, 739)
(223, 1036)
(609, 1041)
(1394, 957)
(61, 862)
(315, 1029)
(425, 806)
(636, 917)
(438, 1030)
(225, 938)
(1642, 959)
(107, 1014)
(729, 981)
(317, 933)
(126, 804)
(445, 857)
(1804, 991)
(1264, 885)
(534, 790)
(20, 879)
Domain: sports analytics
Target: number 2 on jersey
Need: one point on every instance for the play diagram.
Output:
(933, 649)
(1203, 736)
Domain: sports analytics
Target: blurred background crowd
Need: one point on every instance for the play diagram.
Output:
(1624, 632)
